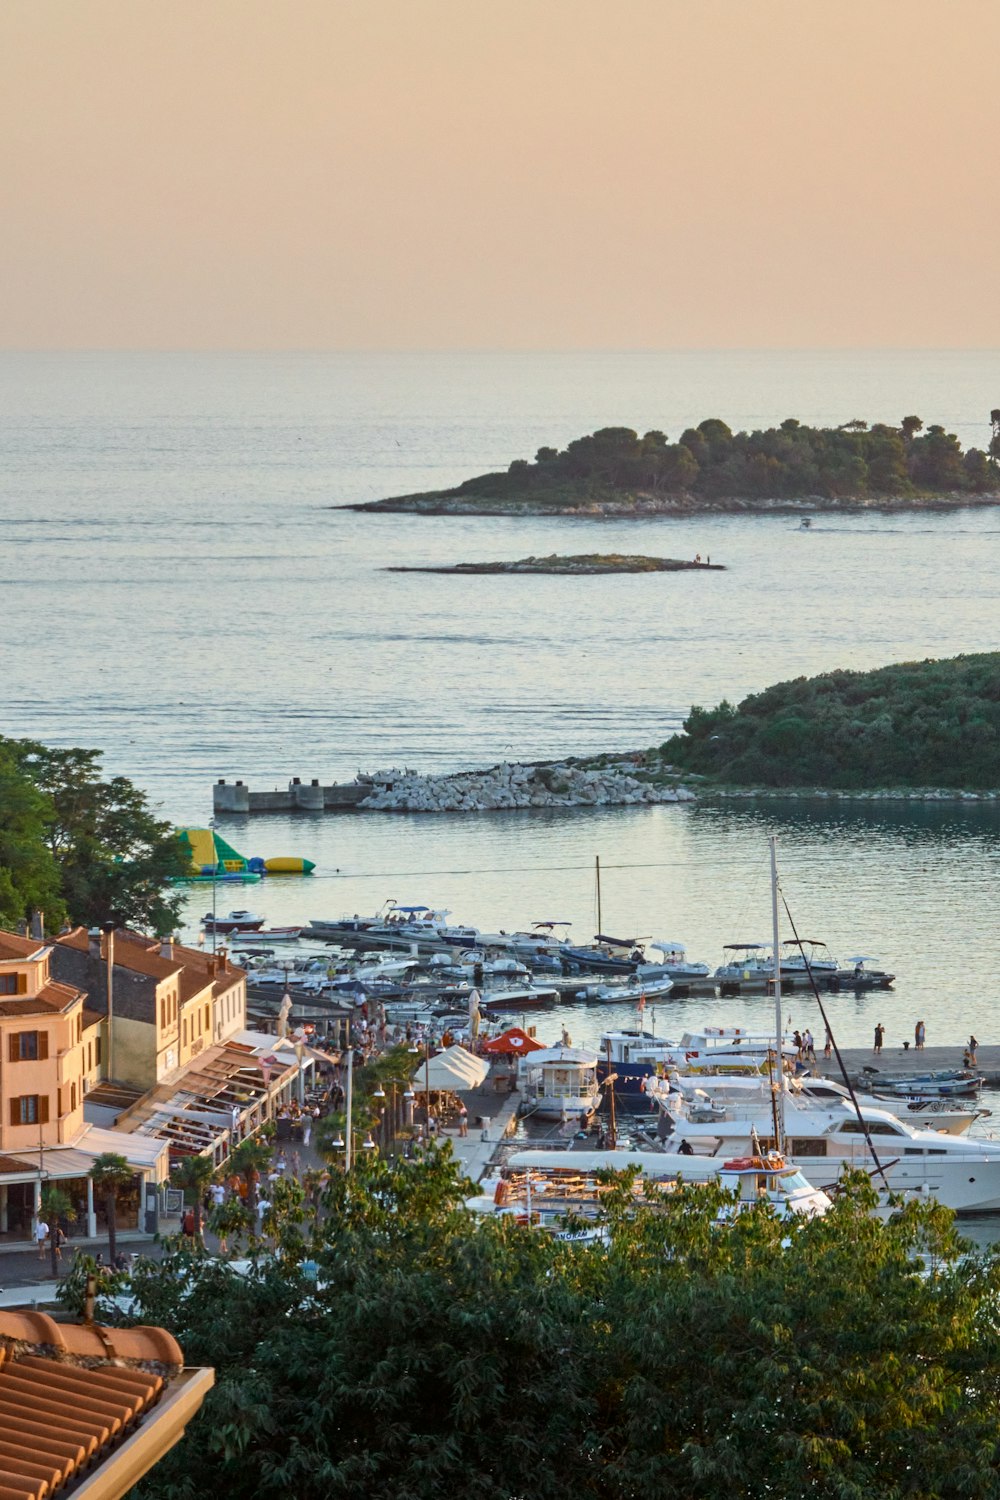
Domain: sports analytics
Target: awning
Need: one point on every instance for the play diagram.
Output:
(514, 1042)
(455, 1069)
(76, 1159)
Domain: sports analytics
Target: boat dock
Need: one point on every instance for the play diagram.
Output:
(894, 1062)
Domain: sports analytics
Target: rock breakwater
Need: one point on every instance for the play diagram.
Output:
(507, 787)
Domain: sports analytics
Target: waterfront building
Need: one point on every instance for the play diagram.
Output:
(169, 1003)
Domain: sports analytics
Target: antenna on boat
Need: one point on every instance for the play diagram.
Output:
(597, 875)
(778, 1077)
(833, 1041)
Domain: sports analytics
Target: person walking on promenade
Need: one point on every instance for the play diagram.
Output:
(879, 1039)
(41, 1235)
(463, 1120)
(809, 1046)
(919, 1032)
(828, 1043)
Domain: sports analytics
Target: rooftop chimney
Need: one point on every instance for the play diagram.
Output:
(167, 947)
(94, 942)
(37, 926)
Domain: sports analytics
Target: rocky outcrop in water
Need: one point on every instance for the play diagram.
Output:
(507, 787)
(579, 563)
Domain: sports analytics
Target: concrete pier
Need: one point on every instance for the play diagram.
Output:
(894, 1062)
(235, 797)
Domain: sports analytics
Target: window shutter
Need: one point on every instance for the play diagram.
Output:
(43, 1109)
(59, 1108)
(22, 984)
(43, 1045)
(15, 1111)
(13, 1047)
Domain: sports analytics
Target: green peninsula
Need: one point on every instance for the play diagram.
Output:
(615, 472)
(580, 563)
(932, 723)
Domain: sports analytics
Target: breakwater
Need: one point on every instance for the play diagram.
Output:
(500, 788)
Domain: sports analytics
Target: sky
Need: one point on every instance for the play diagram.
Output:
(517, 174)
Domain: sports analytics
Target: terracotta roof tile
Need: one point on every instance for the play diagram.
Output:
(69, 1393)
(52, 997)
(12, 945)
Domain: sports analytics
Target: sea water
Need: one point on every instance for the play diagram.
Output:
(181, 592)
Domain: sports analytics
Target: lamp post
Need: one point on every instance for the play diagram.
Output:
(350, 1108)
(215, 877)
(108, 929)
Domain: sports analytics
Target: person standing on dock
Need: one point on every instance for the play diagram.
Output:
(919, 1032)
(970, 1051)
(879, 1039)
(828, 1043)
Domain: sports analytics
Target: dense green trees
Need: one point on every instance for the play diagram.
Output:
(394, 1347)
(713, 463)
(77, 845)
(930, 723)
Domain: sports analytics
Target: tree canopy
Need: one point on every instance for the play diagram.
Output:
(75, 844)
(711, 463)
(388, 1344)
(931, 723)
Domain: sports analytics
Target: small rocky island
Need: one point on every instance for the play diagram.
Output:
(581, 563)
(616, 473)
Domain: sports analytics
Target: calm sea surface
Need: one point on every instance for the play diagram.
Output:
(179, 592)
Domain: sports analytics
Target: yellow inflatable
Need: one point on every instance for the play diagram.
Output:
(289, 864)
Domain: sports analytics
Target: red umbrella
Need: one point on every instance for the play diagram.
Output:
(512, 1042)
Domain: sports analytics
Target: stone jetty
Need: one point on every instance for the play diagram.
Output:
(504, 787)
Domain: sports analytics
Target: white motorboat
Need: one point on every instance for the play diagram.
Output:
(812, 955)
(558, 1083)
(773, 1182)
(631, 991)
(675, 964)
(518, 996)
(961, 1173)
(635, 1056)
(235, 921)
(745, 961)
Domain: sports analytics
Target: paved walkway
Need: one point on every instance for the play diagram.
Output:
(894, 1060)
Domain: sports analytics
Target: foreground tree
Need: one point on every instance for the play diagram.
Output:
(114, 857)
(400, 1348)
(29, 875)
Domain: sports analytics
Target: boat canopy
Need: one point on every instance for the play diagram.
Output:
(552, 923)
(613, 942)
(663, 945)
(862, 958)
(727, 947)
(419, 907)
(806, 942)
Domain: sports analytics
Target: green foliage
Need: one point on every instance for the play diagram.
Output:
(71, 1293)
(73, 843)
(29, 875)
(930, 723)
(710, 462)
(433, 1354)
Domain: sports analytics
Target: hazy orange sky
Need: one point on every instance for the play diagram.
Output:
(513, 174)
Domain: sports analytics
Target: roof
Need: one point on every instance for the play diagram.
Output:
(52, 998)
(72, 1398)
(76, 1158)
(13, 946)
(10, 1166)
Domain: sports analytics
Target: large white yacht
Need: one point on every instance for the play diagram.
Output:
(961, 1173)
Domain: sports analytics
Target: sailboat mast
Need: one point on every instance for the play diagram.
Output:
(597, 873)
(778, 1080)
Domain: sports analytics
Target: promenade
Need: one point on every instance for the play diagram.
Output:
(894, 1061)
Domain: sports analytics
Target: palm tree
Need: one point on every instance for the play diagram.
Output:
(248, 1161)
(193, 1174)
(111, 1175)
(56, 1204)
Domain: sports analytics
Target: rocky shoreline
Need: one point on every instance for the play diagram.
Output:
(507, 787)
(827, 794)
(582, 564)
(640, 505)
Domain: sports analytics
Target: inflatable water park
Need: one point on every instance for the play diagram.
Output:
(212, 860)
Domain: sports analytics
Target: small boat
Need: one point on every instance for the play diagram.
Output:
(809, 955)
(236, 921)
(251, 935)
(631, 991)
(806, 523)
(745, 961)
(858, 977)
(675, 964)
(519, 997)
(607, 955)
(770, 1181)
(955, 1083)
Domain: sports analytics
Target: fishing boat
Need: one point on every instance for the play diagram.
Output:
(558, 1083)
(251, 935)
(955, 1083)
(236, 921)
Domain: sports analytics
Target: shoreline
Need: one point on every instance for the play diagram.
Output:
(640, 507)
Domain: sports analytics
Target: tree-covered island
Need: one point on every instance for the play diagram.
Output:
(915, 724)
(710, 468)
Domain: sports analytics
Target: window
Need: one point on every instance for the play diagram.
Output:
(30, 1109)
(90, 1057)
(28, 1046)
(8, 984)
(72, 1097)
(97, 1049)
(184, 1032)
